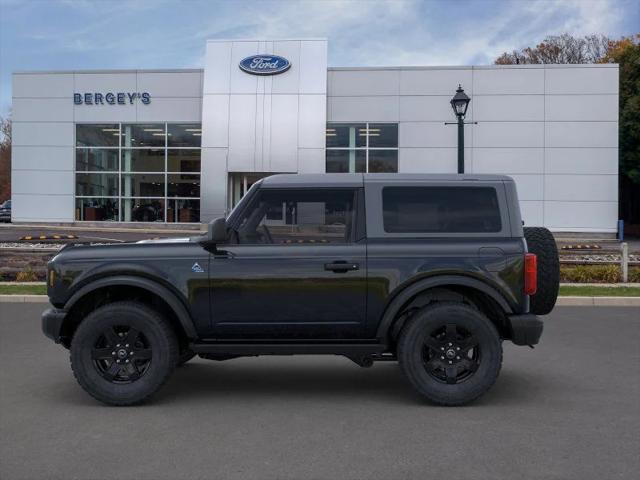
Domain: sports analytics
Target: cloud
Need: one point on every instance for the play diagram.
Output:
(87, 34)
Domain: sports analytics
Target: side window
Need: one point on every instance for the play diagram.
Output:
(298, 216)
(440, 210)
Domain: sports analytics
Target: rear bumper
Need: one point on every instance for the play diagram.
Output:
(52, 320)
(526, 329)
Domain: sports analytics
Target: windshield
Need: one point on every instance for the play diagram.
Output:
(240, 205)
(6, 204)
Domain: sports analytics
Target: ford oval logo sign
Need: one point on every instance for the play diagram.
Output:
(265, 64)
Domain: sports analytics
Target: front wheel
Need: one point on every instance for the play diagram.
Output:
(450, 352)
(123, 352)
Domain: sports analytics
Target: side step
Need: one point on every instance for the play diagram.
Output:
(293, 348)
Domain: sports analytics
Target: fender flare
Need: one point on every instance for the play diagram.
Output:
(151, 286)
(401, 298)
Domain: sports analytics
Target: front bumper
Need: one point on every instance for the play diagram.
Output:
(52, 320)
(526, 329)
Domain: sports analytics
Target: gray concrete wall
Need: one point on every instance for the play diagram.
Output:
(261, 123)
(553, 128)
(44, 115)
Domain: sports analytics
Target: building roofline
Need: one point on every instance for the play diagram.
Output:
(262, 40)
(480, 67)
(330, 69)
(102, 71)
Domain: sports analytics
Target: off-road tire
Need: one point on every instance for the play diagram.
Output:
(411, 358)
(541, 242)
(157, 332)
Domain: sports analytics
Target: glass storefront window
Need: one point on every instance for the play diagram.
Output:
(96, 160)
(96, 185)
(183, 161)
(129, 172)
(143, 135)
(183, 211)
(184, 135)
(143, 210)
(346, 135)
(143, 185)
(102, 135)
(181, 185)
(96, 209)
(383, 135)
(361, 147)
(143, 160)
(383, 161)
(345, 161)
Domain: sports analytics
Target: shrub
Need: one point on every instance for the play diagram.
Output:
(27, 276)
(590, 273)
(597, 273)
(634, 274)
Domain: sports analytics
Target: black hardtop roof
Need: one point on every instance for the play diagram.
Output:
(358, 179)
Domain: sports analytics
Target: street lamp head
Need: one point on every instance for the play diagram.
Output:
(460, 102)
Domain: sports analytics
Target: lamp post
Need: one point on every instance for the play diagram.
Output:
(460, 103)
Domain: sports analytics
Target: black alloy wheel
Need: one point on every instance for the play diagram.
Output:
(451, 354)
(121, 354)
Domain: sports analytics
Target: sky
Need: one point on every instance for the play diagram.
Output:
(109, 34)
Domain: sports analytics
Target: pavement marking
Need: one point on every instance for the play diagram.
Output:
(47, 237)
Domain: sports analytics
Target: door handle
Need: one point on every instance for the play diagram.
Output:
(341, 266)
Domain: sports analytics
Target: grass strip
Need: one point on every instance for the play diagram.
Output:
(23, 289)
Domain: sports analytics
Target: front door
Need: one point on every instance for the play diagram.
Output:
(293, 268)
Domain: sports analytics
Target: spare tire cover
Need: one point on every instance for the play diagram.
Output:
(541, 242)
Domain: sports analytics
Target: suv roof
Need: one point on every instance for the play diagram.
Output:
(357, 179)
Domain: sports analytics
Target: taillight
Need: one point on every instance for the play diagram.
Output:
(530, 273)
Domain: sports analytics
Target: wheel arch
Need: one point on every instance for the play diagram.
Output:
(108, 289)
(443, 288)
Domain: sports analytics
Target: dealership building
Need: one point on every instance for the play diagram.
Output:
(182, 146)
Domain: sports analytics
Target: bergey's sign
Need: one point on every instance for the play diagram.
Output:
(110, 98)
(265, 64)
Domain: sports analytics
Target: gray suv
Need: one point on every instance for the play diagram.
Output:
(431, 271)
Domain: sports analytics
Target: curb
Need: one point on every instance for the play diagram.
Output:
(599, 301)
(561, 302)
(24, 299)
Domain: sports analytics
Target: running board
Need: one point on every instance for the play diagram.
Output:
(249, 348)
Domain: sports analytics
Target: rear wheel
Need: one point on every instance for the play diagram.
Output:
(450, 352)
(123, 352)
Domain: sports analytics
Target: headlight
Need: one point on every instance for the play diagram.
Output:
(52, 277)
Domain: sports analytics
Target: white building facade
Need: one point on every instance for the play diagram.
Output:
(182, 146)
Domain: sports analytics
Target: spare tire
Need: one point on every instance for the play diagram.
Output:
(541, 242)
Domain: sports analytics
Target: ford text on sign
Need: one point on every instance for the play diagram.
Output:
(265, 64)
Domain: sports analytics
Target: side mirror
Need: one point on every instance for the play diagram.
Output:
(217, 230)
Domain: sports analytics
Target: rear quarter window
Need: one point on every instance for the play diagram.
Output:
(447, 209)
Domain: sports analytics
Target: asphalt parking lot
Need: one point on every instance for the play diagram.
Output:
(568, 409)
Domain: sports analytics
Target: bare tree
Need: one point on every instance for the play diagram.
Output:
(5, 158)
(563, 48)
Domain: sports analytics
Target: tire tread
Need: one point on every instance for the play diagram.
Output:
(167, 331)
